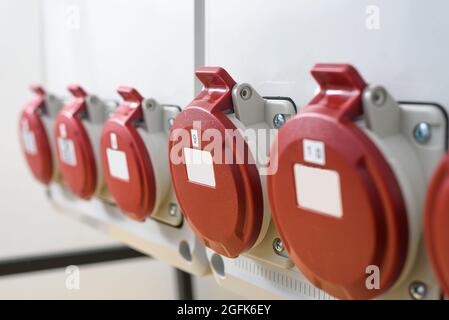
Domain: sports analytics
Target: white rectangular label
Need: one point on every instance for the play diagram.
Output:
(29, 142)
(195, 138)
(318, 190)
(62, 130)
(200, 166)
(67, 151)
(118, 166)
(314, 152)
(114, 144)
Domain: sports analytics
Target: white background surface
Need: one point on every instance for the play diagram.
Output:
(274, 44)
(102, 44)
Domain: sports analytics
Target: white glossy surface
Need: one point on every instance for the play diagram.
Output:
(103, 44)
(274, 44)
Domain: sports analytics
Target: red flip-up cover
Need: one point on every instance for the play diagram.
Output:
(336, 252)
(134, 189)
(76, 159)
(227, 217)
(436, 224)
(33, 137)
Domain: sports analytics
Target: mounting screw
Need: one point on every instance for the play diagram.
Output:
(278, 120)
(278, 246)
(148, 104)
(246, 93)
(379, 96)
(170, 122)
(418, 290)
(94, 100)
(172, 209)
(422, 132)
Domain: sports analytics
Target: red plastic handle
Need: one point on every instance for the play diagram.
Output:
(130, 94)
(131, 109)
(341, 87)
(38, 90)
(38, 102)
(77, 91)
(217, 92)
(77, 105)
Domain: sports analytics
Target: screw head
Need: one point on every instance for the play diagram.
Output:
(422, 132)
(94, 99)
(172, 209)
(148, 104)
(379, 96)
(418, 290)
(278, 246)
(246, 93)
(278, 120)
(170, 122)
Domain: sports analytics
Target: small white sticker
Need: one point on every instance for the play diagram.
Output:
(29, 140)
(67, 151)
(318, 190)
(314, 151)
(200, 167)
(195, 138)
(117, 163)
(114, 144)
(62, 130)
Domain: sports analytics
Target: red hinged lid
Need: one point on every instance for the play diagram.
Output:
(335, 200)
(33, 137)
(436, 223)
(128, 170)
(74, 151)
(223, 202)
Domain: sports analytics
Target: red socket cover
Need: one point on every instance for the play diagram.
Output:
(436, 223)
(226, 214)
(128, 170)
(74, 151)
(33, 138)
(323, 143)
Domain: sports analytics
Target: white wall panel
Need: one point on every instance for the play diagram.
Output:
(29, 225)
(274, 44)
(102, 44)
